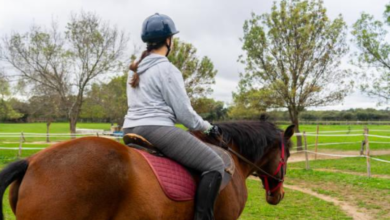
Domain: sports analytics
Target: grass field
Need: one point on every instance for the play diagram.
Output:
(370, 195)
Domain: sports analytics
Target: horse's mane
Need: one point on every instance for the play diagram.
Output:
(252, 137)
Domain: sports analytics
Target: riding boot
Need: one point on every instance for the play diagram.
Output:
(206, 195)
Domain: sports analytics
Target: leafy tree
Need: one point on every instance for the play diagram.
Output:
(107, 100)
(370, 38)
(250, 103)
(198, 74)
(93, 107)
(4, 85)
(46, 107)
(116, 99)
(210, 109)
(22, 107)
(6, 110)
(66, 64)
(293, 54)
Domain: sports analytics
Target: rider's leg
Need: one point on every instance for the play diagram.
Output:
(181, 146)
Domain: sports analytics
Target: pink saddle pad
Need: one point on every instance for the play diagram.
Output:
(176, 182)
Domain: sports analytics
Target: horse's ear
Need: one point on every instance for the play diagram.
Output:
(289, 132)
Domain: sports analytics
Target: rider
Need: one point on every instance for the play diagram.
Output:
(157, 99)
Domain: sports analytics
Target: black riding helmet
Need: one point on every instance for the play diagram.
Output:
(157, 28)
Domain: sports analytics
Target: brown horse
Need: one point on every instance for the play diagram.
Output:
(101, 179)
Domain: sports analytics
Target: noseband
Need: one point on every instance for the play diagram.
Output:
(265, 175)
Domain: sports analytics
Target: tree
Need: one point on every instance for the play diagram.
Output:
(115, 97)
(4, 85)
(210, 109)
(46, 107)
(370, 38)
(108, 100)
(293, 54)
(66, 64)
(93, 108)
(250, 103)
(6, 110)
(198, 74)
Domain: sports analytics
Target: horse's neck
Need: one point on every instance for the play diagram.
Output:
(244, 168)
(235, 195)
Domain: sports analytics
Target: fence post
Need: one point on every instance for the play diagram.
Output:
(318, 129)
(364, 141)
(306, 156)
(368, 153)
(20, 144)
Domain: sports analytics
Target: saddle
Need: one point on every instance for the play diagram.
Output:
(177, 181)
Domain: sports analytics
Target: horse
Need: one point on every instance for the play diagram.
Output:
(101, 179)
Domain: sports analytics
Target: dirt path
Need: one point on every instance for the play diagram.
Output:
(349, 209)
(300, 156)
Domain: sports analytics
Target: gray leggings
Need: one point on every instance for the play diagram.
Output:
(181, 146)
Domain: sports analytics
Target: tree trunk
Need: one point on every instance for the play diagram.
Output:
(294, 117)
(75, 112)
(299, 137)
(48, 123)
(72, 126)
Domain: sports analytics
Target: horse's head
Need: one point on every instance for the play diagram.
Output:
(261, 147)
(274, 167)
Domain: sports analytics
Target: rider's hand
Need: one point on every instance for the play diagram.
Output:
(213, 131)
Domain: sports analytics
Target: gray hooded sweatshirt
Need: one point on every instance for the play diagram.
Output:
(160, 98)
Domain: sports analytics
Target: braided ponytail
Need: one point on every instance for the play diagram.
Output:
(134, 66)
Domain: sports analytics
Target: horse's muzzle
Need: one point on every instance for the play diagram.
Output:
(275, 198)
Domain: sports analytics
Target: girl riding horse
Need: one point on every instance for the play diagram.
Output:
(157, 99)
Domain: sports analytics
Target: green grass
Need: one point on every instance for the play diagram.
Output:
(340, 179)
(295, 205)
(7, 211)
(349, 164)
(54, 128)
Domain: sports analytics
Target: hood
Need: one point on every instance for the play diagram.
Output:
(150, 61)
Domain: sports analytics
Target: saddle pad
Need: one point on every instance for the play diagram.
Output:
(176, 182)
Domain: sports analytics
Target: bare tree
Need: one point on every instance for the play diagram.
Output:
(66, 64)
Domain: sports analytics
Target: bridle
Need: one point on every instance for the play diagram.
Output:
(265, 175)
(282, 168)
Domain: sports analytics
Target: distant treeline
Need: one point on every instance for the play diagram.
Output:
(312, 116)
(351, 115)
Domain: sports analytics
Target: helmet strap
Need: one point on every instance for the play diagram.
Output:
(168, 47)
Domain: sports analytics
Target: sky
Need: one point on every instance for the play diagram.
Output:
(214, 27)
